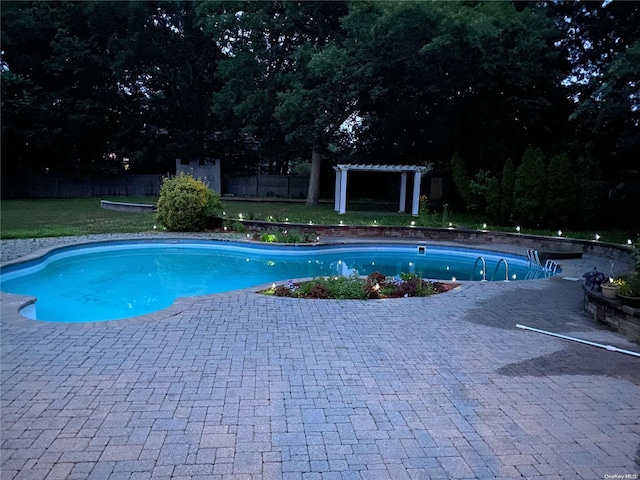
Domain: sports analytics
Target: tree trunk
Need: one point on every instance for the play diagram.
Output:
(313, 193)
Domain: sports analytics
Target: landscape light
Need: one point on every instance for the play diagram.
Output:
(273, 285)
(318, 238)
(240, 216)
(341, 222)
(224, 213)
(225, 228)
(155, 227)
(248, 235)
(413, 224)
(518, 228)
(629, 242)
(286, 219)
(484, 226)
(597, 237)
(453, 279)
(559, 233)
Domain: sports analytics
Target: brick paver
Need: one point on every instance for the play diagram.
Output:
(243, 386)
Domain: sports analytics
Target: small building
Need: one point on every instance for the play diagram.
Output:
(205, 169)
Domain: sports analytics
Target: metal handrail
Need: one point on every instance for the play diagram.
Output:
(506, 270)
(484, 269)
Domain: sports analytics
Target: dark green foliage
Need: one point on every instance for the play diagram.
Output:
(293, 236)
(530, 188)
(87, 84)
(508, 191)
(461, 179)
(562, 199)
(478, 189)
(630, 285)
(493, 199)
(286, 236)
(376, 285)
(333, 287)
(187, 204)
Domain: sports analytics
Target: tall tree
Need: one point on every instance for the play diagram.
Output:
(60, 100)
(530, 187)
(600, 40)
(478, 78)
(166, 70)
(87, 84)
(267, 45)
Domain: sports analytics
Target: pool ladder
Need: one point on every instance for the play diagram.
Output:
(534, 259)
(484, 269)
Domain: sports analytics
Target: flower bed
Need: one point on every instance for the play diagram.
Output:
(375, 286)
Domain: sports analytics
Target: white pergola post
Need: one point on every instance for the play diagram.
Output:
(403, 192)
(416, 193)
(336, 203)
(343, 191)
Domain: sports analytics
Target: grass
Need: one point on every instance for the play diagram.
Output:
(83, 216)
(73, 216)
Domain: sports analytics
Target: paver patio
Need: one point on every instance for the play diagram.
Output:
(243, 386)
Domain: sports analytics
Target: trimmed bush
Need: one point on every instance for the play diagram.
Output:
(530, 188)
(187, 204)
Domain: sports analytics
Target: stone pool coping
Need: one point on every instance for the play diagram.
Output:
(32, 249)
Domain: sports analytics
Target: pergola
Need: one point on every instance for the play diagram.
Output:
(341, 183)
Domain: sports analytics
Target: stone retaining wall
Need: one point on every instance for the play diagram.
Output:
(481, 237)
(127, 207)
(613, 313)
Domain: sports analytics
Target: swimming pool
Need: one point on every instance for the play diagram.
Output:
(115, 280)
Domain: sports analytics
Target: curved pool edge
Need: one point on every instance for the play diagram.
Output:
(11, 304)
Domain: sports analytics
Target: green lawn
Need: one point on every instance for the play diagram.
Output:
(73, 216)
(82, 216)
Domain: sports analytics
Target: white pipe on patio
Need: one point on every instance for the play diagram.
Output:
(586, 342)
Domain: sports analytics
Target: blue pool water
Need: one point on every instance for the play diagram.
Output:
(114, 280)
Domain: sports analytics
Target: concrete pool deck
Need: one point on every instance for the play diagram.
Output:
(243, 386)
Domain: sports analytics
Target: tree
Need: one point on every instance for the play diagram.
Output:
(530, 188)
(493, 199)
(478, 78)
(166, 67)
(562, 198)
(600, 40)
(60, 100)
(507, 187)
(316, 106)
(461, 179)
(87, 84)
(268, 46)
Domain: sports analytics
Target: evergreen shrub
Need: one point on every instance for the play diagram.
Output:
(187, 204)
